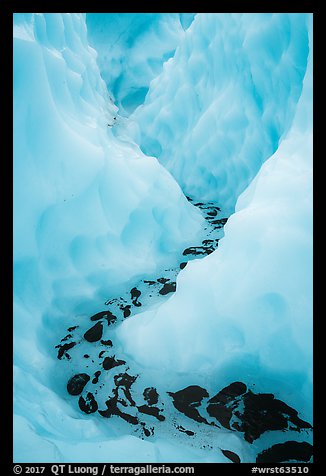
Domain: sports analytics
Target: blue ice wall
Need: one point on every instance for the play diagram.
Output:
(224, 101)
(93, 213)
(132, 48)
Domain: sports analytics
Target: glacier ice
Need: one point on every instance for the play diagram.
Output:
(257, 302)
(101, 225)
(132, 48)
(237, 79)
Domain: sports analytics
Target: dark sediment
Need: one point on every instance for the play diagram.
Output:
(198, 250)
(220, 222)
(104, 315)
(263, 412)
(253, 414)
(153, 411)
(183, 430)
(110, 362)
(96, 377)
(112, 409)
(94, 333)
(168, 288)
(187, 401)
(107, 342)
(135, 294)
(231, 456)
(89, 404)
(126, 310)
(222, 404)
(68, 336)
(125, 381)
(151, 395)
(62, 352)
(76, 384)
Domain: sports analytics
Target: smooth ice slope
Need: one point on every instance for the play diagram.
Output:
(245, 311)
(223, 102)
(132, 48)
(90, 213)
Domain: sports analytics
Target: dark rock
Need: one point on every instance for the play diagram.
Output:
(86, 356)
(94, 333)
(183, 264)
(62, 352)
(285, 452)
(100, 315)
(253, 414)
(146, 431)
(212, 213)
(126, 310)
(221, 413)
(168, 288)
(125, 381)
(187, 401)
(107, 342)
(263, 412)
(151, 395)
(153, 411)
(110, 362)
(207, 242)
(220, 222)
(183, 430)
(97, 374)
(70, 329)
(112, 301)
(198, 250)
(163, 280)
(150, 283)
(110, 318)
(222, 404)
(135, 293)
(112, 409)
(89, 404)
(69, 336)
(229, 393)
(76, 384)
(231, 456)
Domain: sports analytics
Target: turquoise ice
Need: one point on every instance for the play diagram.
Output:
(117, 118)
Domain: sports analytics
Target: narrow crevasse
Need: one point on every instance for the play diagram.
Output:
(168, 352)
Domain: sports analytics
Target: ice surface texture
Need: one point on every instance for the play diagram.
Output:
(94, 215)
(228, 93)
(132, 49)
